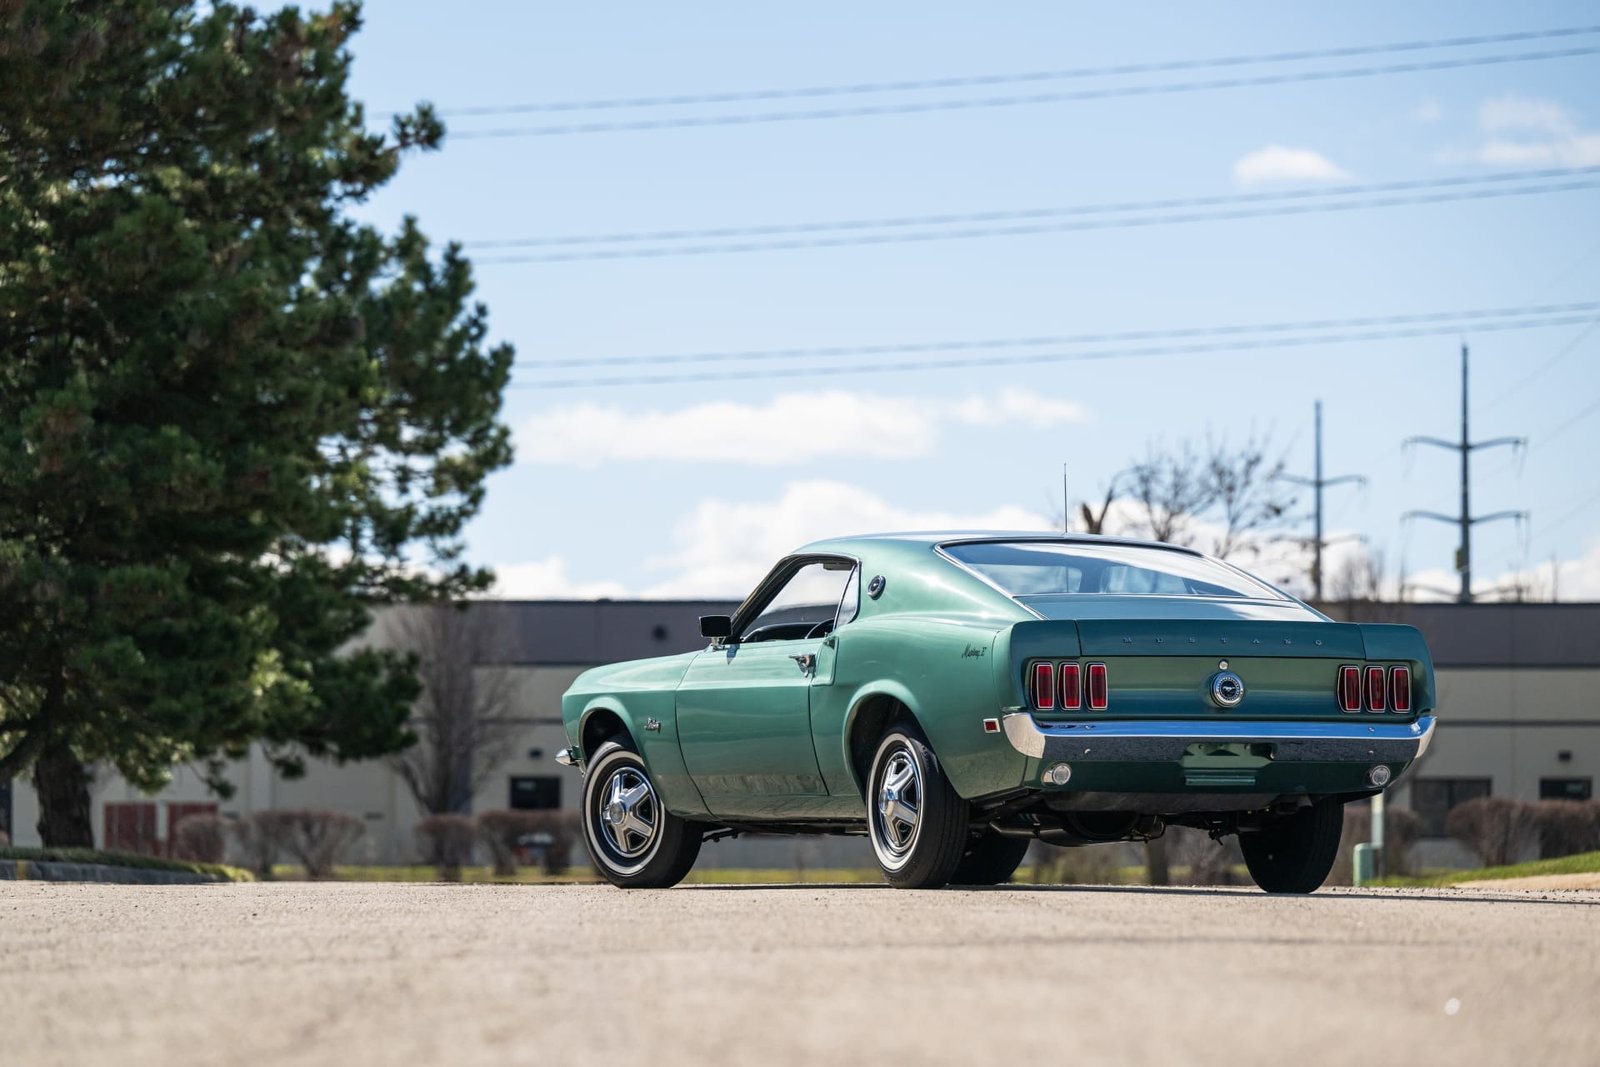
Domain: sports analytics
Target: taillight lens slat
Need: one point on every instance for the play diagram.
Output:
(1400, 690)
(1377, 697)
(1044, 686)
(1071, 683)
(1099, 687)
(1349, 688)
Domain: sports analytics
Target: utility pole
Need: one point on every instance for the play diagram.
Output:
(1066, 503)
(1319, 483)
(1466, 520)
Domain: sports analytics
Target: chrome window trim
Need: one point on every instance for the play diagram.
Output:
(752, 606)
(1159, 546)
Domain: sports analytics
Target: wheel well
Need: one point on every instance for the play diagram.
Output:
(601, 726)
(872, 719)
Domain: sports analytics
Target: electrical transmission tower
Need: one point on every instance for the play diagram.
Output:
(1466, 520)
(1319, 483)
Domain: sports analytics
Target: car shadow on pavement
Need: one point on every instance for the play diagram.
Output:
(1337, 893)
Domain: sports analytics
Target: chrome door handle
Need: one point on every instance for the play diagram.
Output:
(806, 661)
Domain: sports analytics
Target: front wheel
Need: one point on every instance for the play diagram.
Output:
(635, 841)
(916, 819)
(1295, 853)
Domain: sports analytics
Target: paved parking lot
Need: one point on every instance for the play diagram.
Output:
(414, 974)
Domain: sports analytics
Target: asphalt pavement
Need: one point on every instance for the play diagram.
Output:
(432, 974)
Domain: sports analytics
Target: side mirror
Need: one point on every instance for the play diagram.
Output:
(715, 626)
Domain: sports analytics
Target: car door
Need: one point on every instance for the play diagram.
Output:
(743, 707)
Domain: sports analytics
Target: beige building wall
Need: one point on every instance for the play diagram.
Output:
(1518, 727)
(1526, 717)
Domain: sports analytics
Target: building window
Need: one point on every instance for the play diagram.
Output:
(535, 792)
(1566, 788)
(1432, 799)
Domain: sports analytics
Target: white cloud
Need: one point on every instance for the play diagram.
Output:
(1521, 131)
(1277, 163)
(722, 548)
(1570, 579)
(1524, 114)
(789, 428)
(1016, 405)
(547, 579)
(1427, 111)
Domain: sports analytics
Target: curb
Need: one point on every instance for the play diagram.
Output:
(52, 871)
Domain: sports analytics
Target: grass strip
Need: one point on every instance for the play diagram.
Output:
(1582, 863)
(122, 859)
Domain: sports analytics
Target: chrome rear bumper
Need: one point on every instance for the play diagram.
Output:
(1161, 740)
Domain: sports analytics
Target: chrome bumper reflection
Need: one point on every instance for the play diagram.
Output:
(1167, 740)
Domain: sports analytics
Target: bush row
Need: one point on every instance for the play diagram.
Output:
(1503, 830)
(450, 842)
(314, 839)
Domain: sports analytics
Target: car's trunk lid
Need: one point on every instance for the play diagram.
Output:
(1164, 668)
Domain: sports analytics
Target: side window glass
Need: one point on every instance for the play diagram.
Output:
(806, 605)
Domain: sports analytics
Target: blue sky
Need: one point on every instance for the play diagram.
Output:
(693, 488)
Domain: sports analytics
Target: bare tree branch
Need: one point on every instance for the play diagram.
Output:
(1247, 491)
(461, 720)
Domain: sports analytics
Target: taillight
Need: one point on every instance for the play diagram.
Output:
(1071, 687)
(1044, 686)
(1349, 688)
(1400, 689)
(1376, 698)
(1099, 687)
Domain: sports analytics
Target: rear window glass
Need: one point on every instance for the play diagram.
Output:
(1027, 568)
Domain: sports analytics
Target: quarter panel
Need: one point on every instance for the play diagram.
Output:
(941, 670)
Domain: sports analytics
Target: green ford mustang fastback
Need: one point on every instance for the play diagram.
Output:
(956, 696)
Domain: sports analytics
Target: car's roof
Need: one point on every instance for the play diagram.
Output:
(942, 537)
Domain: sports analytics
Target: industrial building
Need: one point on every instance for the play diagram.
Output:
(1519, 708)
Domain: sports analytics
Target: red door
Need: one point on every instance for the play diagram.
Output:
(131, 827)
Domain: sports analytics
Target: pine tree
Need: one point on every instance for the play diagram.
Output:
(232, 418)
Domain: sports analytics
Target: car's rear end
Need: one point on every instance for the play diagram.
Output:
(1158, 686)
(1215, 714)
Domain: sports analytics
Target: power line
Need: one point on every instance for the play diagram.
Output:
(1452, 319)
(961, 218)
(1569, 423)
(739, 96)
(1521, 383)
(1329, 204)
(1246, 344)
(1568, 516)
(977, 103)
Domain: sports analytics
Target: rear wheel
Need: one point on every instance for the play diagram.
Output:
(635, 841)
(990, 860)
(1295, 853)
(917, 821)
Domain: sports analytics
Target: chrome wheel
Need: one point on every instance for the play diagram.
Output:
(635, 840)
(630, 816)
(897, 807)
